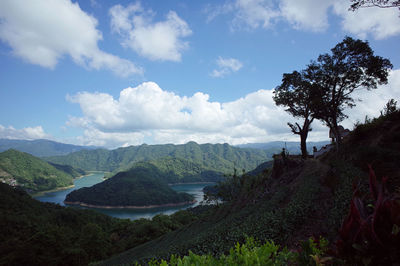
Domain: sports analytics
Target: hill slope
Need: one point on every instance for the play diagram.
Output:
(217, 157)
(30, 172)
(295, 200)
(40, 147)
(138, 187)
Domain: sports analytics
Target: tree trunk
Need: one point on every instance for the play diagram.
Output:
(303, 145)
(338, 140)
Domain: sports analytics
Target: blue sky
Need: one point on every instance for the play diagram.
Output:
(117, 73)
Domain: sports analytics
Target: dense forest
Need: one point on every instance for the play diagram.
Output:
(217, 157)
(34, 174)
(139, 186)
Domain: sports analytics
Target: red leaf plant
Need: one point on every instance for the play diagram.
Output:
(370, 234)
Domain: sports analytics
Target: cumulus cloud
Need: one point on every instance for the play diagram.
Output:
(28, 133)
(43, 32)
(226, 66)
(161, 40)
(310, 15)
(254, 13)
(307, 14)
(147, 113)
(381, 23)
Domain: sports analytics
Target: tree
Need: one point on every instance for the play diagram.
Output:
(374, 3)
(295, 93)
(351, 65)
(390, 107)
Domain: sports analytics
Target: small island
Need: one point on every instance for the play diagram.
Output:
(138, 188)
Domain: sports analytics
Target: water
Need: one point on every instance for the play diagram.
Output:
(58, 197)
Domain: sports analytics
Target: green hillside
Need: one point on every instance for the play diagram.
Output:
(299, 199)
(217, 157)
(178, 170)
(31, 173)
(139, 186)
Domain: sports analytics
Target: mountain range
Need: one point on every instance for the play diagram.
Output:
(41, 147)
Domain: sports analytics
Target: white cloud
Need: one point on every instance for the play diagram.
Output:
(149, 113)
(28, 133)
(42, 32)
(310, 15)
(381, 23)
(307, 14)
(254, 13)
(226, 66)
(154, 40)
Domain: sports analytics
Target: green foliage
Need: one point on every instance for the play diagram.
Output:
(30, 172)
(140, 186)
(69, 170)
(37, 233)
(250, 253)
(221, 158)
(312, 252)
(178, 170)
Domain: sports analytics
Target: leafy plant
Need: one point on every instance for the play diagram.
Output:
(312, 252)
(249, 253)
(370, 234)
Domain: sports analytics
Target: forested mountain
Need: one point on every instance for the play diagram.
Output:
(40, 147)
(218, 157)
(31, 173)
(139, 186)
(179, 170)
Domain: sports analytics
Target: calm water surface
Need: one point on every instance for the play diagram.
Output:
(58, 197)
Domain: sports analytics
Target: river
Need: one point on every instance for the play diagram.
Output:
(58, 197)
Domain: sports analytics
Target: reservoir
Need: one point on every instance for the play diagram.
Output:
(58, 197)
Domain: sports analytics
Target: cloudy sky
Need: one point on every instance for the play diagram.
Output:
(117, 73)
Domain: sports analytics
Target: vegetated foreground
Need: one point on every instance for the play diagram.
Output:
(299, 199)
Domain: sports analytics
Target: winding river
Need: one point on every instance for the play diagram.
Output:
(58, 197)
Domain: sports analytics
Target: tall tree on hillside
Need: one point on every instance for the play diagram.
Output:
(351, 65)
(295, 94)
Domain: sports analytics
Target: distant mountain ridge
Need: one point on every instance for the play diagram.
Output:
(41, 147)
(217, 157)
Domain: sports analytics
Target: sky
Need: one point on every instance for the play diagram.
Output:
(118, 73)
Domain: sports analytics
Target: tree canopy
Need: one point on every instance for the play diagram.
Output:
(295, 94)
(351, 65)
